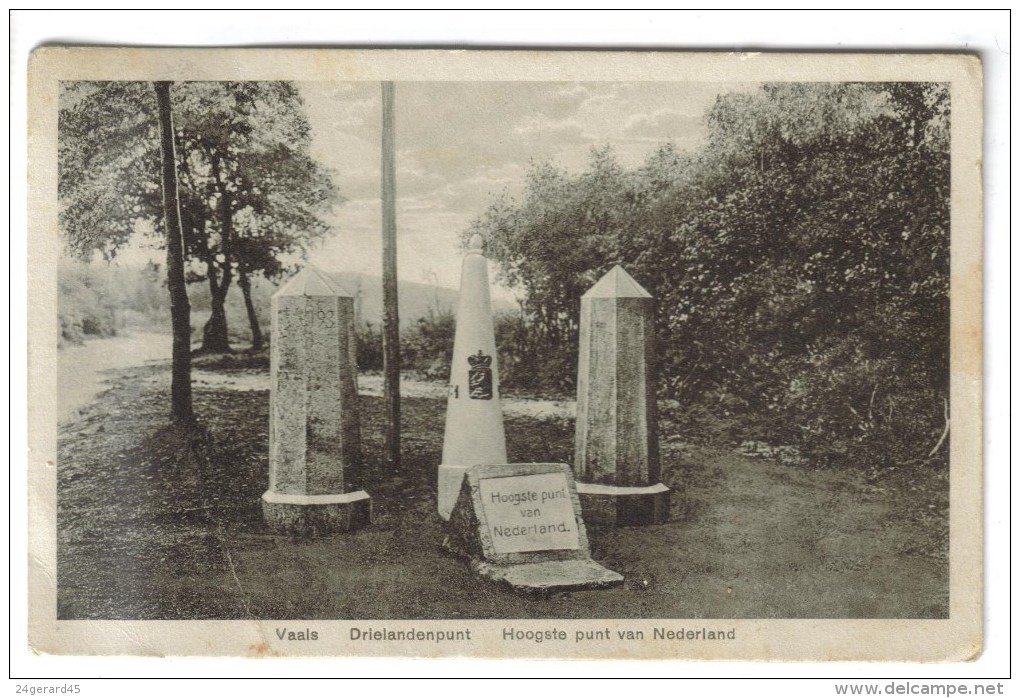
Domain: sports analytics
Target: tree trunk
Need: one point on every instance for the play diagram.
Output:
(253, 319)
(180, 310)
(214, 332)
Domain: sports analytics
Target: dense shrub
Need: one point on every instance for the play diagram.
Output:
(369, 346)
(427, 347)
(800, 263)
(98, 301)
(84, 307)
(530, 365)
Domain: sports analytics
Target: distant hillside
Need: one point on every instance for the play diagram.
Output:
(101, 300)
(416, 299)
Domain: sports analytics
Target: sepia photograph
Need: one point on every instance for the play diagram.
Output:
(508, 357)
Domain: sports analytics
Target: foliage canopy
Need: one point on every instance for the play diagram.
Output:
(800, 261)
(251, 194)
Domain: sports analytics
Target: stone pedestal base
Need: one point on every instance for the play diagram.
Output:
(317, 514)
(544, 577)
(610, 505)
(448, 487)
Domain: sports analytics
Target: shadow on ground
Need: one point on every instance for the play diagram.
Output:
(156, 525)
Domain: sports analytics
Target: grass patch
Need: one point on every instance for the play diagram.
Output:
(157, 524)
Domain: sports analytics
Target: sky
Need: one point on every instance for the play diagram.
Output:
(459, 144)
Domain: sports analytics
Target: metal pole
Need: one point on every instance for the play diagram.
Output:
(391, 318)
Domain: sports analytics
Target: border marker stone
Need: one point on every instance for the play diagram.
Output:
(474, 413)
(314, 433)
(616, 449)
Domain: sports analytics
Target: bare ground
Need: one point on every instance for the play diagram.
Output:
(153, 524)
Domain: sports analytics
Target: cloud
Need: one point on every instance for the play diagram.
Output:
(539, 127)
(461, 143)
(662, 122)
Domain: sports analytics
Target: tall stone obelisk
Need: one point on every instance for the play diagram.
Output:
(474, 414)
(616, 450)
(314, 433)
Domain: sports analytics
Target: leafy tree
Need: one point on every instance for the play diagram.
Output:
(117, 167)
(800, 261)
(259, 194)
(99, 302)
(825, 252)
(108, 165)
(550, 246)
(84, 305)
(251, 195)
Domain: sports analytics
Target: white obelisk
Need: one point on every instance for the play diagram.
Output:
(474, 414)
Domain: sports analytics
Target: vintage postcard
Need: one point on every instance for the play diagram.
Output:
(523, 354)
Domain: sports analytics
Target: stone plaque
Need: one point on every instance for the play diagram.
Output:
(529, 512)
(520, 524)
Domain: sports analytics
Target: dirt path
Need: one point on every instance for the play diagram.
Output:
(148, 531)
(372, 385)
(83, 370)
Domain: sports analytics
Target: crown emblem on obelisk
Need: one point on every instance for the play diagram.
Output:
(480, 360)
